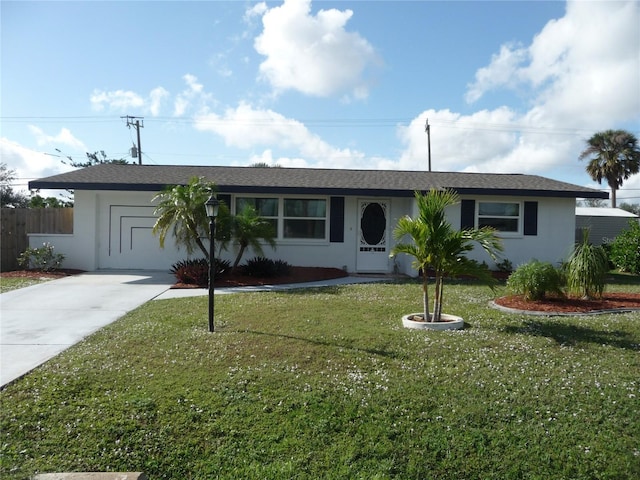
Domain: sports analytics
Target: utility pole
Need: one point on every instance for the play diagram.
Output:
(427, 128)
(137, 124)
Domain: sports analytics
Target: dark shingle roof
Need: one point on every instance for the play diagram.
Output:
(310, 181)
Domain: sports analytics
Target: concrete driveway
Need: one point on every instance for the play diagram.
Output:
(39, 322)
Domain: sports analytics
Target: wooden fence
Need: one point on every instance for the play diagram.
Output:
(16, 223)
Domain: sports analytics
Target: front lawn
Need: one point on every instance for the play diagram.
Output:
(327, 384)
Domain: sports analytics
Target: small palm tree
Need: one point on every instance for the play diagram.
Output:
(248, 229)
(614, 156)
(181, 211)
(436, 246)
(587, 268)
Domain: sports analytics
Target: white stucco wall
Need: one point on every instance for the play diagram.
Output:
(112, 230)
(555, 238)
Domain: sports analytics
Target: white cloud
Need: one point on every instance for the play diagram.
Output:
(192, 95)
(267, 157)
(156, 98)
(124, 101)
(28, 164)
(503, 70)
(315, 55)
(256, 10)
(583, 69)
(65, 137)
(247, 127)
(115, 100)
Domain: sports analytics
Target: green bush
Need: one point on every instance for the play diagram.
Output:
(41, 258)
(586, 269)
(196, 271)
(265, 267)
(505, 265)
(625, 249)
(536, 279)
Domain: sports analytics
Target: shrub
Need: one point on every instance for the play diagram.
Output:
(265, 267)
(505, 265)
(586, 269)
(41, 258)
(196, 271)
(625, 249)
(536, 279)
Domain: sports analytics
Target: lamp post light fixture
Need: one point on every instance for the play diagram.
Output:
(211, 206)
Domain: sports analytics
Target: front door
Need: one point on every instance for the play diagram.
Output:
(373, 245)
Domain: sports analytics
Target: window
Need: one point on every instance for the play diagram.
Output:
(299, 218)
(267, 208)
(304, 218)
(504, 217)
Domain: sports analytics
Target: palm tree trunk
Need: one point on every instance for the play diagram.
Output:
(237, 261)
(441, 296)
(613, 196)
(425, 295)
(202, 247)
(437, 298)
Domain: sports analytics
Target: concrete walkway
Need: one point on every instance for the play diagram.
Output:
(196, 292)
(39, 322)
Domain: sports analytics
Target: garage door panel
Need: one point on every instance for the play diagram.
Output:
(131, 243)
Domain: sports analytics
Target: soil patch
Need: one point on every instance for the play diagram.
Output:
(296, 275)
(609, 301)
(37, 274)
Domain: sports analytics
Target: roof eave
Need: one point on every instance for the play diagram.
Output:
(369, 192)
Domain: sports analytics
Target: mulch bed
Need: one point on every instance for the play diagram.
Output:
(62, 272)
(296, 275)
(609, 301)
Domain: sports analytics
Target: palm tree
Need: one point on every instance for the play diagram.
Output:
(613, 155)
(248, 229)
(181, 211)
(437, 247)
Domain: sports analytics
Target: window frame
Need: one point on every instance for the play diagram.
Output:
(519, 218)
(281, 217)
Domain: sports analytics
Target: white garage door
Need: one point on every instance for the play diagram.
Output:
(129, 242)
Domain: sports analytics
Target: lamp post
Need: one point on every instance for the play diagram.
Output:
(211, 205)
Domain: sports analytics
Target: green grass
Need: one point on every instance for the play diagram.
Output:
(327, 384)
(13, 283)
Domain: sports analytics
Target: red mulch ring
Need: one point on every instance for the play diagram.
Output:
(609, 301)
(296, 275)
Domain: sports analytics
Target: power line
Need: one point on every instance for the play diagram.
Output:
(318, 122)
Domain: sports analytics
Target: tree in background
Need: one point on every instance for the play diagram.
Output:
(625, 249)
(592, 203)
(95, 158)
(614, 156)
(8, 197)
(631, 207)
(38, 201)
(264, 165)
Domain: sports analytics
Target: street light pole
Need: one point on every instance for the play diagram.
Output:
(211, 206)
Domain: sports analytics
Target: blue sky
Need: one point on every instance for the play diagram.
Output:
(511, 87)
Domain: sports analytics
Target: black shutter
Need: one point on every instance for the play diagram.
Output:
(336, 219)
(225, 198)
(531, 218)
(467, 214)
